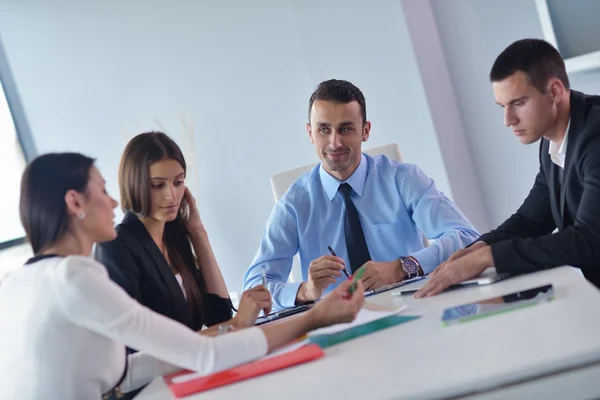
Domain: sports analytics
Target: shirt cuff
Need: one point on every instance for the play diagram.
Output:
(216, 309)
(286, 296)
(503, 256)
(475, 242)
(427, 259)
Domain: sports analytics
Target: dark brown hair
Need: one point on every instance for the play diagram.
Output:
(339, 91)
(44, 184)
(134, 185)
(536, 58)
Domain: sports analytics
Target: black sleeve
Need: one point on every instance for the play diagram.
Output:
(118, 259)
(532, 219)
(578, 244)
(216, 309)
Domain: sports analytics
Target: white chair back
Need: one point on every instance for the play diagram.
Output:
(282, 181)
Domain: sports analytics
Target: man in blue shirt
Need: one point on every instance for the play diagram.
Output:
(372, 211)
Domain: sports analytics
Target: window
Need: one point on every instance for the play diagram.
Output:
(16, 147)
(571, 26)
(12, 163)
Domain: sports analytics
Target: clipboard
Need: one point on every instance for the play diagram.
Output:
(393, 286)
(252, 369)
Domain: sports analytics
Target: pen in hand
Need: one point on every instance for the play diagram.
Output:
(333, 254)
(264, 277)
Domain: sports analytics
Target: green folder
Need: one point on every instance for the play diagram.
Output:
(327, 340)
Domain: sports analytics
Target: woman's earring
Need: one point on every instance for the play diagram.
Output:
(81, 215)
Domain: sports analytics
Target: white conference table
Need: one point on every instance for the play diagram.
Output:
(550, 351)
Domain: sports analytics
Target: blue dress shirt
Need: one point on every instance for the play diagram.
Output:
(397, 204)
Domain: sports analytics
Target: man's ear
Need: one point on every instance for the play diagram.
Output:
(309, 131)
(556, 89)
(366, 131)
(74, 202)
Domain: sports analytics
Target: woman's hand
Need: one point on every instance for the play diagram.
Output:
(193, 222)
(253, 301)
(338, 306)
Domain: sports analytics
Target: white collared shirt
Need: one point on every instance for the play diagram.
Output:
(558, 154)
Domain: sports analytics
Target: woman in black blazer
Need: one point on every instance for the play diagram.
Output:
(152, 257)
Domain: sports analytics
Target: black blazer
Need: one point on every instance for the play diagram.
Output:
(524, 242)
(135, 263)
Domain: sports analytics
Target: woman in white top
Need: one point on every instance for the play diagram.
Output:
(65, 324)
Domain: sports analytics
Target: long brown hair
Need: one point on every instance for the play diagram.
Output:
(134, 185)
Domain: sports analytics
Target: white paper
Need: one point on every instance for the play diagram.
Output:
(364, 316)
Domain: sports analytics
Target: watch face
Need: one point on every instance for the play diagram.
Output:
(410, 266)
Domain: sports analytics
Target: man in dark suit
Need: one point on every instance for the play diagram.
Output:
(530, 83)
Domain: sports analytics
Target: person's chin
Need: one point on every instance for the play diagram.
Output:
(108, 236)
(170, 216)
(528, 139)
(338, 166)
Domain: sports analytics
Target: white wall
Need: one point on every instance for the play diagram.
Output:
(473, 33)
(92, 75)
(441, 100)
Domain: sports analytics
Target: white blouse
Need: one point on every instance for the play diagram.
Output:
(64, 325)
(180, 281)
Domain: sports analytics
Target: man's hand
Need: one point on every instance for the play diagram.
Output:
(458, 254)
(378, 274)
(322, 272)
(253, 301)
(462, 268)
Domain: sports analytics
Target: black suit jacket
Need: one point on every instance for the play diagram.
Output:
(525, 242)
(135, 263)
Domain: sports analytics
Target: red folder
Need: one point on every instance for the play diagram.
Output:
(304, 354)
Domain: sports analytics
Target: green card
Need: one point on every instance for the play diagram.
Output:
(327, 340)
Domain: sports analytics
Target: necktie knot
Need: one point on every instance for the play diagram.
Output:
(345, 189)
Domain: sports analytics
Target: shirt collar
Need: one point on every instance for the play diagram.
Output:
(562, 150)
(356, 180)
(558, 155)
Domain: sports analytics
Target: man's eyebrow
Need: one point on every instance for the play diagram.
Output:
(517, 100)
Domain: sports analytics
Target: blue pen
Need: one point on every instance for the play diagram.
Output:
(333, 254)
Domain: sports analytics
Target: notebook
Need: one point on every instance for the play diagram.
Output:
(181, 385)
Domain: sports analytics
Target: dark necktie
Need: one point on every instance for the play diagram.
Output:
(358, 252)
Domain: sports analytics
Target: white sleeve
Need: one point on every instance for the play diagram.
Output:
(142, 368)
(91, 300)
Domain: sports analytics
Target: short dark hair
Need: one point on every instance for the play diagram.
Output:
(538, 59)
(42, 206)
(339, 91)
(134, 185)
